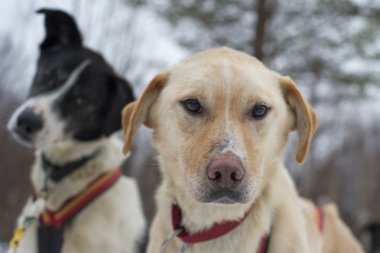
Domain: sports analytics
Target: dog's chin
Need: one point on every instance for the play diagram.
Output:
(223, 197)
(36, 141)
(24, 140)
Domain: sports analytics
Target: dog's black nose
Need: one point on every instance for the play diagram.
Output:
(225, 171)
(28, 123)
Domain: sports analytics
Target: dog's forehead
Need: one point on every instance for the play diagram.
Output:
(223, 69)
(69, 59)
(55, 68)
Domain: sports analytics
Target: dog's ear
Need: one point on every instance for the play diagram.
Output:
(305, 117)
(137, 113)
(61, 30)
(121, 94)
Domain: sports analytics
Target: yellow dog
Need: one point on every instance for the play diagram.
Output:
(220, 122)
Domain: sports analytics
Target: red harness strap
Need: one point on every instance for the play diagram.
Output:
(264, 244)
(217, 230)
(319, 216)
(74, 205)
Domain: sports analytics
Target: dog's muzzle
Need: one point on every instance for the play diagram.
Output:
(225, 175)
(225, 171)
(27, 124)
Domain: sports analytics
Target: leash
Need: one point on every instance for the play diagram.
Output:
(167, 241)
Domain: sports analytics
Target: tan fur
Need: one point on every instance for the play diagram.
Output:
(228, 84)
(306, 118)
(130, 115)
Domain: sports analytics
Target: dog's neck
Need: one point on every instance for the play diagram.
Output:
(198, 216)
(67, 151)
(108, 156)
(56, 172)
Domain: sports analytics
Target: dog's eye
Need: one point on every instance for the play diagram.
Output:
(49, 77)
(62, 75)
(259, 111)
(192, 105)
(79, 101)
(48, 72)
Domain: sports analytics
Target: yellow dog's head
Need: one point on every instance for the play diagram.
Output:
(220, 122)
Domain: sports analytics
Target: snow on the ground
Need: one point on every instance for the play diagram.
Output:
(3, 247)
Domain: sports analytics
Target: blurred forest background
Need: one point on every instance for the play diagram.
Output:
(331, 48)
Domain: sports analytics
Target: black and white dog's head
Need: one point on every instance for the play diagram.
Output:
(75, 95)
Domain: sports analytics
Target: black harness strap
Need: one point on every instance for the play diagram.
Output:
(50, 238)
(266, 249)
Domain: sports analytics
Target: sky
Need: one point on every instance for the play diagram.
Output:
(136, 42)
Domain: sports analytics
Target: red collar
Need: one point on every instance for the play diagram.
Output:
(75, 204)
(217, 230)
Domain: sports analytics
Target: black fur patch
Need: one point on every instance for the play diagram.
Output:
(92, 107)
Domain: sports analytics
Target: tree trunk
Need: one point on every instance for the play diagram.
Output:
(264, 11)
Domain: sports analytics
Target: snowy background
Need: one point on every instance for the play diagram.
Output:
(330, 48)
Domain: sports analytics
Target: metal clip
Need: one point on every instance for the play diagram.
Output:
(29, 220)
(171, 236)
(183, 248)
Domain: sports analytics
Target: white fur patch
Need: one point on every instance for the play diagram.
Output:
(115, 217)
(53, 127)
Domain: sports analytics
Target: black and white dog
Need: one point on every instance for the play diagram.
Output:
(81, 202)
